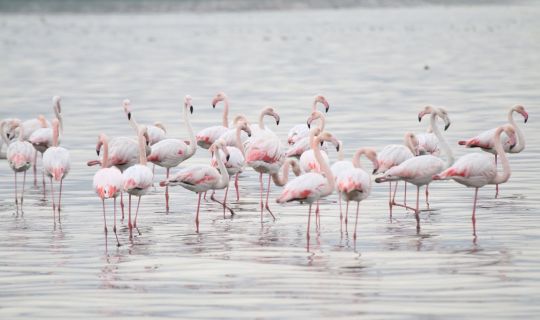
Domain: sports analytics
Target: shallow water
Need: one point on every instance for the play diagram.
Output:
(370, 65)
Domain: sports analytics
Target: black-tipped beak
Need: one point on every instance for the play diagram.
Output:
(379, 180)
(512, 146)
(374, 171)
(191, 109)
(277, 122)
(322, 143)
(526, 119)
(419, 119)
(337, 148)
(129, 115)
(214, 106)
(249, 134)
(327, 108)
(8, 135)
(97, 151)
(446, 127)
(228, 157)
(309, 125)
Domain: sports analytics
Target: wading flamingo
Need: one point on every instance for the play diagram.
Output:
(477, 169)
(19, 155)
(354, 184)
(393, 155)
(56, 164)
(312, 186)
(206, 137)
(237, 158)
(230, 135)
(308, 162)
(137, 179)
(420, 170)
(201, 178)
(169, 153)
(107, 183)
(486, 139)
(264, 154)
(300, 131)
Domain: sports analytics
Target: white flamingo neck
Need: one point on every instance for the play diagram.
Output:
(239, 140)
(323, 165)
(224, 181)
(284, 178)
(520, 145)
(58, 115)
(105, 145)
(444, 145)
(501, 178)
(55, 133)
(341, 152)
(356, 158)
(226, 112)
(3, 133)
(261, 119)
(192, 140)
(142, 148)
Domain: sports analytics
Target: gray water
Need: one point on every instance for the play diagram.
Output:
(370, 64)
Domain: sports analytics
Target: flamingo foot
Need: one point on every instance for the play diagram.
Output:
(267, 207)
(222, 204)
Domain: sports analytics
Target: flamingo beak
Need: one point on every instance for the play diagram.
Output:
(309, 125)
(526, 116)
(249, 134)
(277, 122)
(129, 115)
(374, 170)
(97, 151)
(191, 109)
(446, 126)
(228, 157)
(379, 180)
(213, 105)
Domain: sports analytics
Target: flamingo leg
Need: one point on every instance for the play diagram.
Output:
(197, 215)
(122, 204)
(136, 214)
(473, 218)
(114, 227)
(390, 198)
(205, 195)
(395, 191)
(309, 221)
(53, 203)
(347, 217)
(104, 218)
(43, 178)
(427, 195)
(496, 186)
(225, 200)
(35, 168)
(224, 204)
(236, 187)
(16, 197)
(268, 195)
(405, 194)
(130, 226)
(356, 220)
(167, 193)
(417, 212)
(340, 213)
(261, 183)
(60, 197)
(22, 192)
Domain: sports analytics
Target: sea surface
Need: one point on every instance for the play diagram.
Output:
(377, 67)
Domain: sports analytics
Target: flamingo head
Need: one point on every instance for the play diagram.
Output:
(327, 136)
(188, 103)
(314, 116)
(160, 125)
(427, 110)
(443, 114)
(42, 121)
(102, 138)
(371, 154)
(18, 160)
(56, 103)
(521, 110)
(240, 118)
(411, 141)
(127, 108)
(243, 125)
(219, 97)
(271, 112)
(220, 144)
(511, 133)
(321, 99)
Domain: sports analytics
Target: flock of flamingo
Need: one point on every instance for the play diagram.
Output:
(235, 145)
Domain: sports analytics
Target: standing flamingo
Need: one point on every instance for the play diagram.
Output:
(354, 184)
(137, 179)
(19, 156)
(420, 170)
(56, 164)
(477, 169)
(201, 178)
(264, 154)
(486, 139)
(393, 155)
(169, 153)
(312, 186)
(301, 131)
(237, 158)
(206, 137)
(107, 182)
(308, 162)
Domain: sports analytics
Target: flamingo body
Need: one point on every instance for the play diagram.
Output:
(169, 153)
(472, 170)
(137, 180)
(56, 162)
(308, 162)
(20, 155)
(107, 182)
(308, 187)
(206, 137)
(417, 170)
(393, 155)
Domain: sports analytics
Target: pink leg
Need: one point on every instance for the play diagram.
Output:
(405, 195)
(35, 168)
(53, 203)
(60, 197)
(197, 215)
(474, 211)
(104, 218)
(114, 227)
(236, 187)
(309, 221)
(427, 196)
(205, 195)
(122, 204)
(356, 221)
(390, 198)
(43, 178)
(317, 216)
(496, 186)
(395, 191)
(16, 197)
(417, 212)
(136, 214)
(130, 226)
(267, 195)
(347, 217)
(261, 183)
(340, 213)
(22, 193)
(225, 201)
(167, 193)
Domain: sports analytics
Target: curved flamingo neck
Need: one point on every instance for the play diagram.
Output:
(501, 178)
(261, 119)
(444, 145)
(284, 178)
(520, 145)
(224, 181)
(356, 158)
(226, 112)
(55, 133)
(142, 148)
(409, 143)
(3, 133)
(58, 115)
(105, 145)
(21, 132)
(239, 140)
(323, 165)
(192, 140)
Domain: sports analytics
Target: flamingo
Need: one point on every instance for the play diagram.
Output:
(169, 153)
(229, 136)
(137, 179)
(477, 169)
(206, 137)
(56, 164)
(311, 186)
(302, 145)
(201, 178)
(236, 162)
(300, 131)
(393, 155)
(19, 155)
(354, 183)
(156, 132)
(308, 162)
(420, 170)
(264, 154)
(486, 139)
(107, 182)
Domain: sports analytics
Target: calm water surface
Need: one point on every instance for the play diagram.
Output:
(370, 65)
